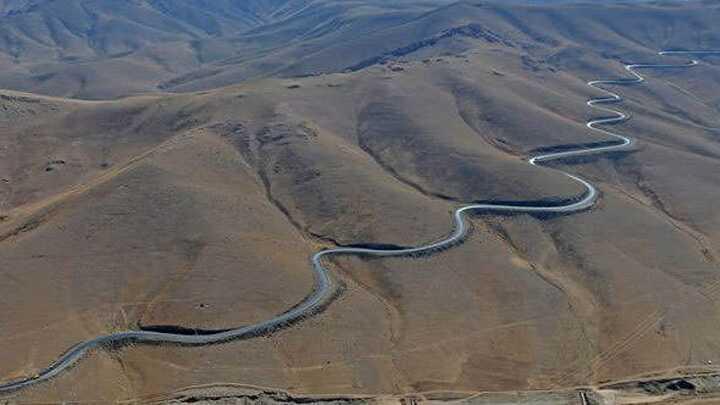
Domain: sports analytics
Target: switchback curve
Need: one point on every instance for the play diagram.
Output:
(324, 288)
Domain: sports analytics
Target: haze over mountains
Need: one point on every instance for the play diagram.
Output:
(174, 164)
(73, 47)
(107, 48)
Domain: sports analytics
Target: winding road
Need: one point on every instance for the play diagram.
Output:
(324, 287)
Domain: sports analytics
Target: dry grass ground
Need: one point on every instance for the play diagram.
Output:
(202, 209)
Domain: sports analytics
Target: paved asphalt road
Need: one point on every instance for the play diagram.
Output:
(324, 287)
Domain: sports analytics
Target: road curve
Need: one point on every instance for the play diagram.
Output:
(324, 288)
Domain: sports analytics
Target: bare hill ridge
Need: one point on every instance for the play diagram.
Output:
(106, 49)
(199, 209)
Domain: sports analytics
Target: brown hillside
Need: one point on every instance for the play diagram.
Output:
(201, 209)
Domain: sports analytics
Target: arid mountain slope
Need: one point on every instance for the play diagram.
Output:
(200, 210)
(106, 49)
(185, 217)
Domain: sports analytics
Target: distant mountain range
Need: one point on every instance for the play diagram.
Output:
(111, 48)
